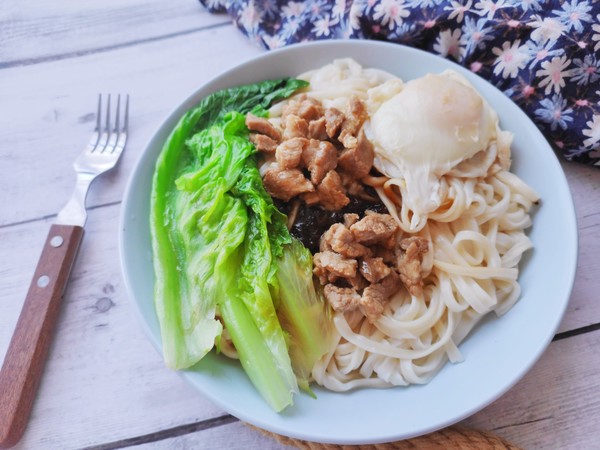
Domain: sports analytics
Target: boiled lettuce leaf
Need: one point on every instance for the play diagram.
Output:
(302, 312)
(229, 179)
(187, 320)
(215, 237)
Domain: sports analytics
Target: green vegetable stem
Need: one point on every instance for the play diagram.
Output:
(221, 250)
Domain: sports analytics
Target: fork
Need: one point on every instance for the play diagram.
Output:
(24, 361)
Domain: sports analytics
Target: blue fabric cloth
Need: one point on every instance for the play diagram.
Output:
(545, 55)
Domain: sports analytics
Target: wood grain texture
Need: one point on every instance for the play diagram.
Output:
(232, 436)
(24, 361)
(584, 307)
(556, 405)
(48, 113)
(38, 30)
(103, 380)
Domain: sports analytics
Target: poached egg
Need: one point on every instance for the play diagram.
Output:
(424, 131)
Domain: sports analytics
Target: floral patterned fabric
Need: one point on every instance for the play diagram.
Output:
(543, 54)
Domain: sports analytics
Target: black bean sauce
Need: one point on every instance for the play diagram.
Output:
(312, 221)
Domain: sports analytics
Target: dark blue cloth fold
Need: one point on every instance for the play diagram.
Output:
(545, 55)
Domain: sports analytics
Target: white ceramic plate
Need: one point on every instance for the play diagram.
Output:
(497, 354)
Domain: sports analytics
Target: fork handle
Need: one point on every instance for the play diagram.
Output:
(28, 348)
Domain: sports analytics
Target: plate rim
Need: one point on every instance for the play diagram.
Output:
(181, 107)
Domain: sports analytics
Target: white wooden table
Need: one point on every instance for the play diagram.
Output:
(104, 385)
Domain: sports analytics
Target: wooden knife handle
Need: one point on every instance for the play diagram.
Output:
(26, 355)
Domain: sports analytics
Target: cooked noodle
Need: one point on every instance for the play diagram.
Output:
(477, 245)
(477, 240)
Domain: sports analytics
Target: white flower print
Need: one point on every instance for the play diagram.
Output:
(368, 5)
(423, 3)
(448, 43)
(541, 51)
(356, 12)
(593, 132)
(587, 70)
(458, 10)
(596, 35)
(546, 29)
(554, 112)
(338, 9)
(269, 8)
(290, 26)
(489, 7)
(273, 42)
(526, 4)
(323, 26)
(573, 14)
(216, 4)
(475, 34)
(554, 73)
(391, 13)
(292, 9)
(404, 33)
(250, 18)
(510, 58)
(316, 10)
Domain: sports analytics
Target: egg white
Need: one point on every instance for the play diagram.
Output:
(427, 129)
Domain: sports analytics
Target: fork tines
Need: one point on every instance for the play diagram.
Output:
(110, 138)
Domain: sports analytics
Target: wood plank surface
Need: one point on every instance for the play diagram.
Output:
(543, 411)
(38, 30)
(584, 306)
(102, 375)
(556, 405)
(105, 386)
(236, 435)
(48, 115)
